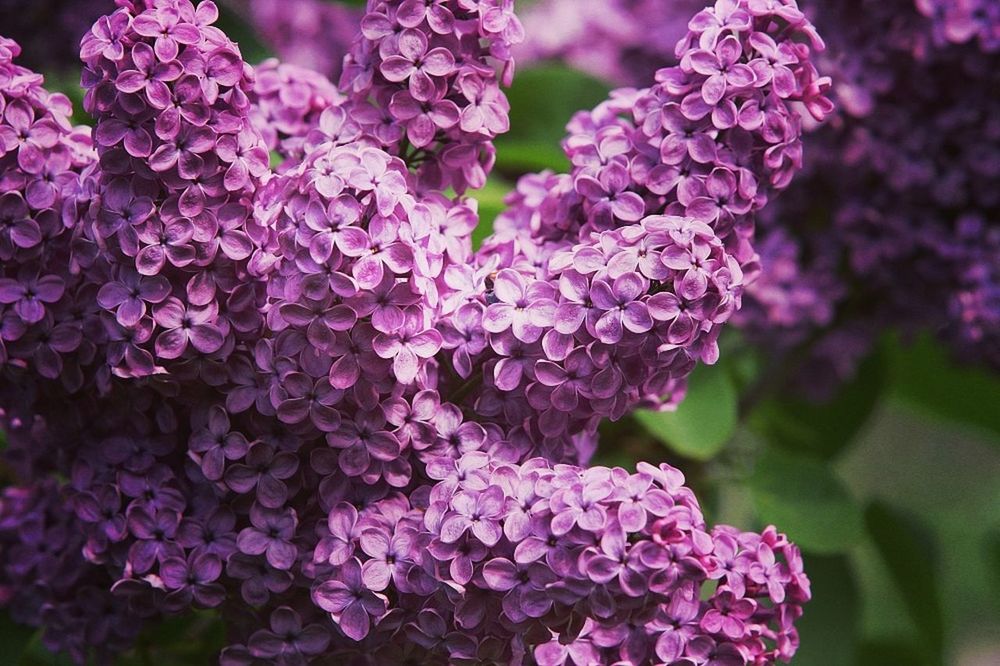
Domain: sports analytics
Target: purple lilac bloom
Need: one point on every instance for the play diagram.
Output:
(907, 131)
(301, 390)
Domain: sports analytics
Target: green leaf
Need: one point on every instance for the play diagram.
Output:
(991, 552)
(826, 429)
(705, 420)
(908, 553)
(14, 638)
(490, 198)
(803, 498)
(889, 651)
(924, 376)
(516, 156)
(830, 627)
(542, 100)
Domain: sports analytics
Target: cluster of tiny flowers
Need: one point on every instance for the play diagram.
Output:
(297, 396)
(910, 164)
(45, 181)
(309, 33)
(426, 71)
(287, 102)
(180, 160)
(622, 41)
(616, 277)
(898, 183)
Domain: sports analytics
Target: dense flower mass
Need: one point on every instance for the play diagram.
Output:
(909, 163)
(300, 393)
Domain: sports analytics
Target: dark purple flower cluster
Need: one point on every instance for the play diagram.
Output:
(899, 196)
(300, 398)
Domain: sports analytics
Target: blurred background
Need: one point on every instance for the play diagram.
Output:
(881, 458)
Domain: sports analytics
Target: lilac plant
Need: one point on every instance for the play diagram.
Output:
(298, 396)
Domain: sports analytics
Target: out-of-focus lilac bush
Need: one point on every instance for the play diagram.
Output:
(299, 397)
(315, 34)
(901, 181)
(56, 46)
(910, 162)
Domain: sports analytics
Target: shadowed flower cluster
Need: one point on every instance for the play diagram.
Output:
(307, 33)
(912, 159)
(899, 181)
(298, 396)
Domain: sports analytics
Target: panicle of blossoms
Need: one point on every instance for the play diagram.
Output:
(44, 180)
(912, 159)
(287, 103)
(302, 393)
(48, 583)
(563, 565)
(607, 284)
(180, 160)
(314, 34)
(423, 82)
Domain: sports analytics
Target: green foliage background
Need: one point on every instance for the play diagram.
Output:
(892, 489)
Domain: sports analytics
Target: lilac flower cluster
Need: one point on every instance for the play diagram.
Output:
(180, 160)
(909, 165)
(299, 397)
(622, 271)
(425, 82)
(526, 554)
(287, 102)
(899, 183)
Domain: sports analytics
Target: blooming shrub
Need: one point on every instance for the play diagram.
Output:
(298, 396)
